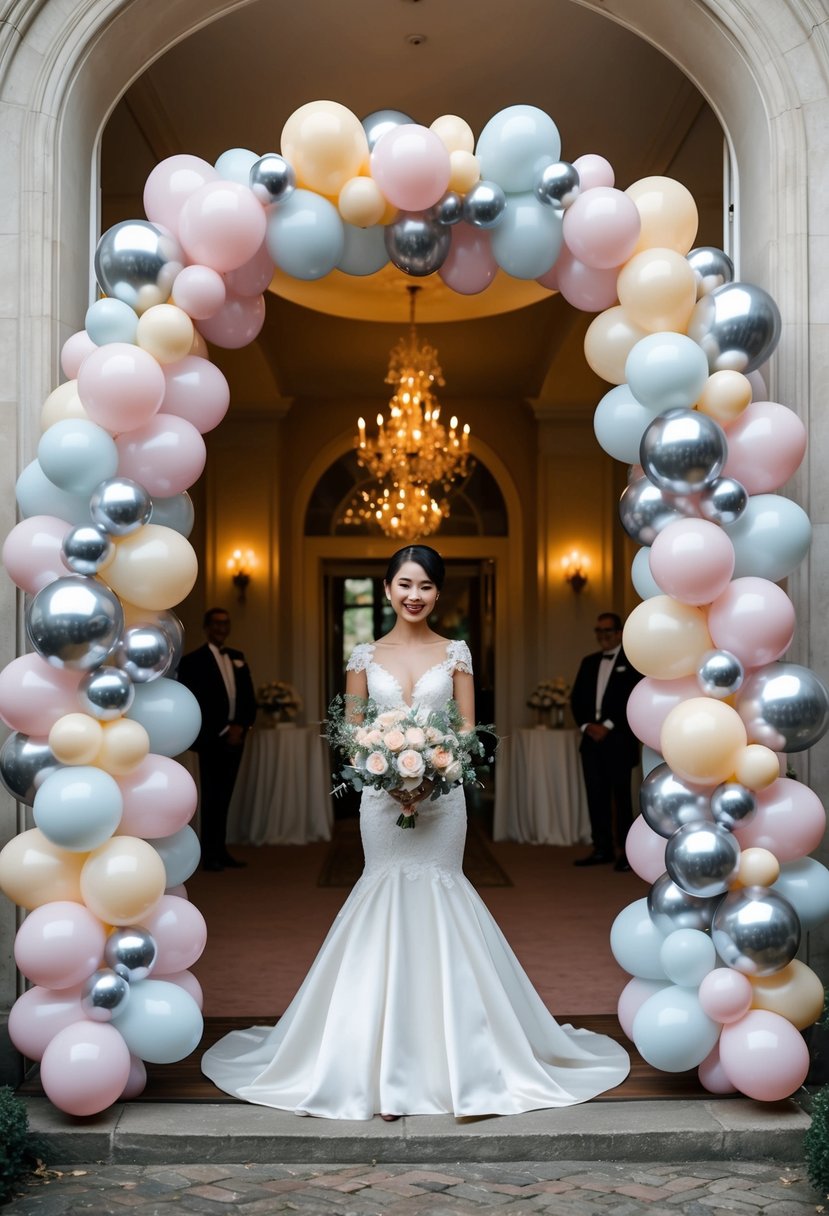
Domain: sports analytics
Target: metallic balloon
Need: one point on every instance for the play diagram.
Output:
(120, 506)
(104, 995)
(87, 549)
(720, 674)
(738, 326)
(131, 952)
(449, 209)
(785, 707)
(558, 184)
(756, 931)
(712, 268)
(145, 652)
(417, 244)
(667, 803)
(732, 803)
(683, 451)
(272, 179)
(75, 622)
(724, 501)
(137, 262)
(672, 908)
(106, 693)
(702, 859)
(645, 510)
(25, 763)
(174, 629)
(484, 205)
(379, 122)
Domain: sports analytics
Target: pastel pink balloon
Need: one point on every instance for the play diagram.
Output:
(601, 227)
(652, 700)
(254, 277)
(59, 944)
(725, 994)
(196, 391)
(594, 170)
(584, 286)
(766, 444)
(136, 1081)
(764, 1056)
(222, 225)
(199, 291)
(85, 1068)
(632, 998)
(237, 322)
(712, 1074)
(166, 455)
(73, 352)
(789, 821)
(33, 552)
(187, 981)
(159, 796)
(692, 560)
(179, 889)
(411, 166)
(469, 267)
(754, 619)
(121, 386)
(180, 933)
(759, 391)
(171, 183)
(550, 279)
(38, 1015)
(33, 694)
(645, 850)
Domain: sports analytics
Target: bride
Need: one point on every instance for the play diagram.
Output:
(415, 1003)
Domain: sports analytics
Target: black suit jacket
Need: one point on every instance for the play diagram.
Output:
(621, 744)
(199, 672)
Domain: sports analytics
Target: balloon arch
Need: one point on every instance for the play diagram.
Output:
(102, 552)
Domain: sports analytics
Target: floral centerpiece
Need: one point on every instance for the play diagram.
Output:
(549, 696)
(280, 700)
(411, 753)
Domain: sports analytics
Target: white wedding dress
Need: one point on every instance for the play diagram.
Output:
(415, 1003)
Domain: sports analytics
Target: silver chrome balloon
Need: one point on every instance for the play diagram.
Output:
(87, 549)
(272, 179)
(720, 674)
(417, 244)
(724, 501)
(558, 184)
(683, 451)
(104, 995)
(737, 325)
(667, 803)
(702, 859)
(137, 262)
(672, 908)
(131, 952)
(379, 122)
(712, 268)
(75, 622)
(145, 652)
(174, 629)
(25, 763)
(484, 205)
(120, 506)
(756, 931)
(644, 510)
(106, 693)
(732, 803)
(449, 210)
(785, 707)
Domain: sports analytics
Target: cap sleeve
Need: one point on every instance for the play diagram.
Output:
(360, 657)
(459, 657)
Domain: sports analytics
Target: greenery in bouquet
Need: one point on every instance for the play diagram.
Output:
(549, 694)
(279, 698)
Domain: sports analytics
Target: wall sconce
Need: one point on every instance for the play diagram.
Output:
(575, 566)
(241, 565)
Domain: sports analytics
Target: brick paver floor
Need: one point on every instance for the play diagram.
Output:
(563, 1188)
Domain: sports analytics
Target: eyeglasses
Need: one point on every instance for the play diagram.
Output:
(608, 632)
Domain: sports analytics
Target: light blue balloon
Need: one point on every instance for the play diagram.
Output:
(636, 942)
(528, 239)
(643, 581)
(77, 455)
(650, 759)
(364, 250)
(671, 1032)
(805, 884)
(771, 537)
(620, 421)
(305, 236)
(235, 165)
(687, 956)
(666, 371)
(111, 320)
(169, 713)
(161, 1023)
(78, 807)
(37, 495)
(176, 513)
(180, 853)
(515, 146)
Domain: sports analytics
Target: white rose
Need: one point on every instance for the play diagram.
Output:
(454, 772)
(377, 764)
(410, 764)
(415, 737)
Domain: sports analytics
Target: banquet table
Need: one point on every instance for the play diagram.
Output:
(539, 789)
(283, 791)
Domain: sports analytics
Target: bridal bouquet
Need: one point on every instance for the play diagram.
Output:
(409, 752)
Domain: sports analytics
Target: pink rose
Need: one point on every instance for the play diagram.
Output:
(433, 735)
(395, 740)
(377, 764)
(361, 737)
(415, 737)
(410, 764)
(441, 757)
(373, 738)
(389, 717)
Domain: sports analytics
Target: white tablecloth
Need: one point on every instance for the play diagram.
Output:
(283, 791)
(539, 790)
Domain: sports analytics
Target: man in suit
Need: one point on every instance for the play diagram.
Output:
(220, 680)
(609, 748)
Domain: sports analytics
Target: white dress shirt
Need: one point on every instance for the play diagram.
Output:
(225, 664)
(606, 664)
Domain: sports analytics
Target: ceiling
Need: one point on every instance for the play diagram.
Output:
(235, 82)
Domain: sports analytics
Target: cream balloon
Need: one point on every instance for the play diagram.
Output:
(610, 338)
(124, 744)
(62, 403)
(756, 767)
(455, 133)
(795, 992)
(464, 171)
(668, 214)
(33, 871)
(665, 638)
(725, 396)
(76, 738)
(123, 880)
(199, 346)
(166, 333)
(758, 868)
(154, 567)
(700, 739)
(326, 145)
(361, 203)
(658, 290)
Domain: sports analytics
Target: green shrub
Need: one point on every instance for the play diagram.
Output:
(17, 1150)
(817, 1141)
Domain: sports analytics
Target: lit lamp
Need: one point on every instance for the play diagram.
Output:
(241, 565)
(575, 566)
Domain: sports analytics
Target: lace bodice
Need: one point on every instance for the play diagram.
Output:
(431, 691)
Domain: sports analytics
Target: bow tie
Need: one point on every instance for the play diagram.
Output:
(223, 650)
(609, 656)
